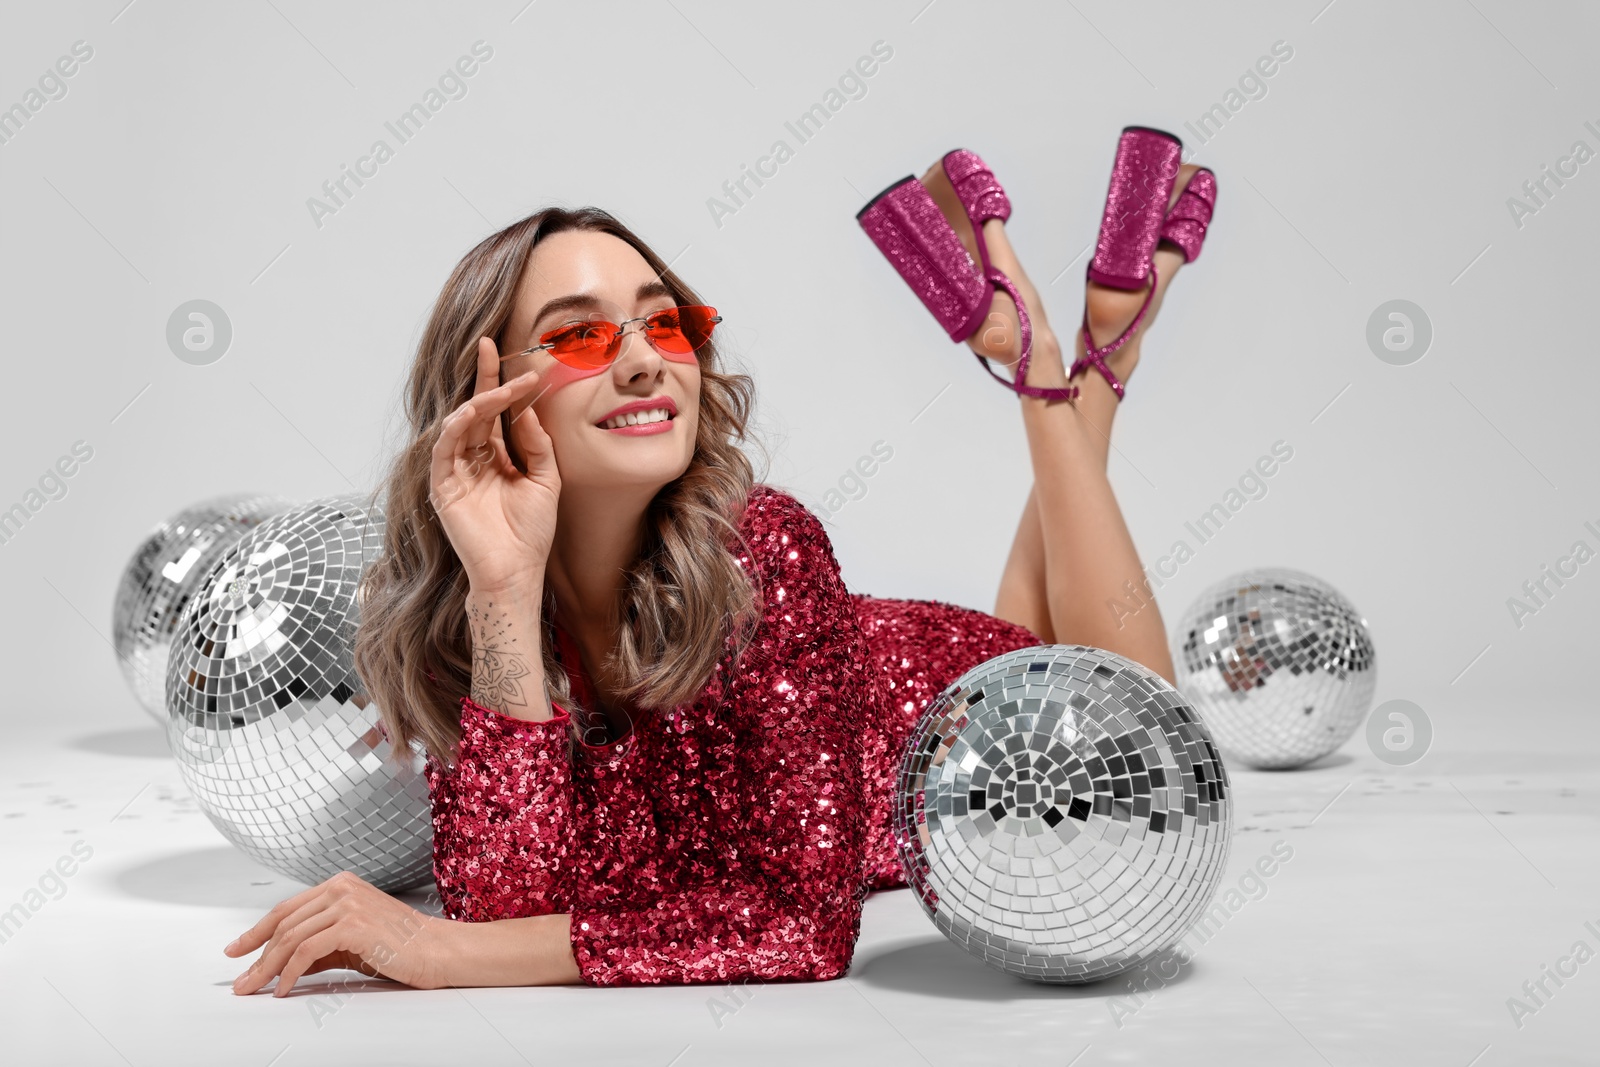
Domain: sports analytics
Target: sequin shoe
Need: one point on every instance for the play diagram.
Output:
(913, 234)
(1186, 222)
(1136, 209)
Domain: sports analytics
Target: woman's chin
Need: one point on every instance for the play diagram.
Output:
(629, 463)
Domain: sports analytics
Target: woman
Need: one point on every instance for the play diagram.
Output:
(676, 759)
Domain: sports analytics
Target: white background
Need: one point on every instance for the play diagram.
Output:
(1377, 166)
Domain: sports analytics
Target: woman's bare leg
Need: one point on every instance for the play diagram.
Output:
(1094, 587)
(1023, 597)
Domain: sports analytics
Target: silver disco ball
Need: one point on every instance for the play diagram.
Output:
(1062, 814)
(1279, 664)
(161, 576)
(268, 720)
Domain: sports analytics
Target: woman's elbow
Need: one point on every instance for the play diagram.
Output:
(833, 947)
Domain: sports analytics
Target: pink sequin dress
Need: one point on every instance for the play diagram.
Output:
(734, 837)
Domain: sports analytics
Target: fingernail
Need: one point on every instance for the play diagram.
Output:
(232, 943)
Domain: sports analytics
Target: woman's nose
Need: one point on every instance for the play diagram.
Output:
(636, 354)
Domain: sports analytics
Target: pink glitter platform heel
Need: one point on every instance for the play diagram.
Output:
(909, 229)
(1136, 210)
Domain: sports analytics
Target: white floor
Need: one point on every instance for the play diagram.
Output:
(1416, 902)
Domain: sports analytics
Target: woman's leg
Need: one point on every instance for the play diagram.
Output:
(1023, 597)
(1072, 531)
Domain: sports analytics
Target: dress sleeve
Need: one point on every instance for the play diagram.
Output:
(780, 894)
(501, 817)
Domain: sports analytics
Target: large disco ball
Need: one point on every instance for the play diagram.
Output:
(1279, 664)
(1062, 813)
(160, 577)
(268, 720)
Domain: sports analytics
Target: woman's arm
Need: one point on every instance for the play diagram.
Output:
(507, 665)
(502, 816)
(536, 950)
(501, 812)
(347, 922)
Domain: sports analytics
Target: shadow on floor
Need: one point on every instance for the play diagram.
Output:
(937, 968)
(1332, 759)
(224, 877)
(334, 982)
(148, 742)
(221, 877)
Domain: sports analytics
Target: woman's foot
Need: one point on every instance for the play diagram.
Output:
(1111, 310)
(999, 339)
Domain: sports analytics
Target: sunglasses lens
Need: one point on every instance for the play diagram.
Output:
(681, 329)
(697, 323)
(584, 345)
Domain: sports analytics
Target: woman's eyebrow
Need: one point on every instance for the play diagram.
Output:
(648, 291)
(651, 290)
(567, 303)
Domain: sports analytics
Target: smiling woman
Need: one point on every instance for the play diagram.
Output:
(663, 739)
(543, 332)
(661, 733)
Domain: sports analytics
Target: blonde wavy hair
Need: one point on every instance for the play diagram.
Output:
(680, 601)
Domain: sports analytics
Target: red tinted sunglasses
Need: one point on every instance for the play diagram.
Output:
(675, 331)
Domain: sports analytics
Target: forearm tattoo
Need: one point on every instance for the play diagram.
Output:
(500, 669)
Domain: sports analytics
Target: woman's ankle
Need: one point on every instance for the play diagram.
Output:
(999, 344)
(1120, 363)
(1047, 369)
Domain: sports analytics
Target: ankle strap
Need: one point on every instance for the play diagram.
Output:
(1025, 327)
(1048, 393)
(1095, 357)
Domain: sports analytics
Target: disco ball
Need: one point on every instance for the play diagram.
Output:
(270, 725)
(161, 576)
(1062, 814)
(1279, 664)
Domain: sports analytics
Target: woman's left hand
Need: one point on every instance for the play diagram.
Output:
(346, 922)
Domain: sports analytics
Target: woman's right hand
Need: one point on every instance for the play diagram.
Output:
(500, 521)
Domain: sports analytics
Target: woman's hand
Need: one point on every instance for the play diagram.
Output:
(500, 521)
(346, 922)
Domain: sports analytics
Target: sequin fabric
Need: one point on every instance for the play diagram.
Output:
(734, 837)
(1142, 176)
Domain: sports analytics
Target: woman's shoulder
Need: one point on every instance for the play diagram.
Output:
(788, 554)
(785, 538)
(771, 503)
(774, 517)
